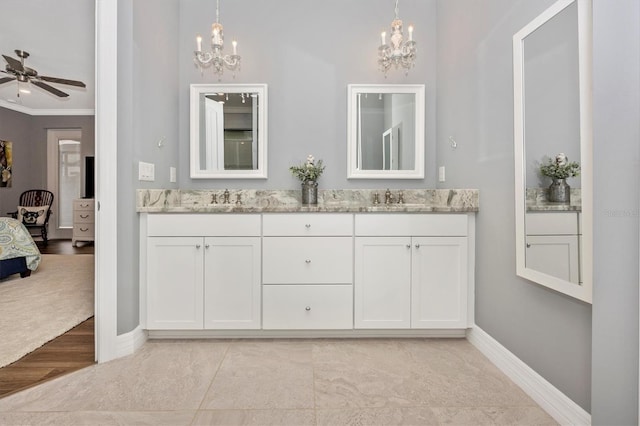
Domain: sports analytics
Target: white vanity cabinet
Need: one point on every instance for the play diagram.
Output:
(411, 271)
(553, 244)
(307, 271)
(203, 273)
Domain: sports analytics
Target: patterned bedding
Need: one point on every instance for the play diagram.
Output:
(15, 241)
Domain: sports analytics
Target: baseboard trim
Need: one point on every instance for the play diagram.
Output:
(554, 402)
(128, 343)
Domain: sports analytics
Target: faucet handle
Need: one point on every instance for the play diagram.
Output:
(376, 198)
(214, 198)
(238, 198)
(400, 197)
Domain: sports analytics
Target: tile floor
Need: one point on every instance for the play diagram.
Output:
(283, 382)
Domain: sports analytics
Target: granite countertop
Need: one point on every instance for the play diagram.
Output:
(288, 201)
(537, 201)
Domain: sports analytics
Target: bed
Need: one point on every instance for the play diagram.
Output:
(18, 252)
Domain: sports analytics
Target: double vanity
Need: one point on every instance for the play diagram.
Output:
(262, 265)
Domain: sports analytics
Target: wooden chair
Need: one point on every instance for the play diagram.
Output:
(36, 198)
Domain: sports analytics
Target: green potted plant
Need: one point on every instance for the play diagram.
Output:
(559, 169)
(308, 173)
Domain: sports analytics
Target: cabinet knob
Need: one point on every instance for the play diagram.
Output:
(206, 246)
(408, 246)
(308, 308)
(528, 245)
(417, 246)
(308, 225)
(308, 261)
(197, 246)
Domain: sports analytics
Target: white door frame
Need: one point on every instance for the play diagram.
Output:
(53, 177)
(106, 127)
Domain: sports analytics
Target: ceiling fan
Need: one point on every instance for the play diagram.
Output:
(18, 71)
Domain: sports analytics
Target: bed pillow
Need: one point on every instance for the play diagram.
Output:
(32, 215)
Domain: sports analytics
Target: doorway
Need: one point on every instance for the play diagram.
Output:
(64, 178)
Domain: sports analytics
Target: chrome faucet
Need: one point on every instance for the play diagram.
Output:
(225, 196)
(388, 197)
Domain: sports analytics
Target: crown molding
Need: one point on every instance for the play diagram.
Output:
(32, 111)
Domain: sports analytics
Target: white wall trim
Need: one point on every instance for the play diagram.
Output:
(554, 402)
(32, 111)
(130, 342)
(106, 123)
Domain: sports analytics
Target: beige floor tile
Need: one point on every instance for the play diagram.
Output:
(88, 418)
(407, 416)
(160, 376)
(263, 374)
(520, 416)
(256, 417)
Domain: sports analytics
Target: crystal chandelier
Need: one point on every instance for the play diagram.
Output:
(398, 52)
(215, 58)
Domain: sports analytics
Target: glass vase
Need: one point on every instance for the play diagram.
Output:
(309, 192)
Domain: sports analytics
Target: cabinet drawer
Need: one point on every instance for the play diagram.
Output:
(307, 260)
(87, 204)
(307, 307)
(401, 225)
(83, 216)
(83, 230)
(552, 223)
(203, 225)
(301, 224)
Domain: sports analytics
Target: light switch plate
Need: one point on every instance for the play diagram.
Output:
(172, 174)
(441, 174)
(146, 171)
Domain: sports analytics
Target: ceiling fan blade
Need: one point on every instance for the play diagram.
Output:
(62, 81)
(6, 79)
(51, 89)
(13, 63)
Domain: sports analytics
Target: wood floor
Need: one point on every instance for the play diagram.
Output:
(70, 352)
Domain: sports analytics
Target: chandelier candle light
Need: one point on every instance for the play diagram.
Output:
(399, 52)
(215, 58)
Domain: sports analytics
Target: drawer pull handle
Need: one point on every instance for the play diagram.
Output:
(308, 261)
(417, 246)
(84, 205)
(308, 225)
(197, 246)
(84, 229)
(308, 308)
(84, 216)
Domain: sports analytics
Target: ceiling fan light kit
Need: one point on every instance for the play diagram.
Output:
(17, 71)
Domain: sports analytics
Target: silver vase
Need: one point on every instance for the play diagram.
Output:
(559, 191)
(310, 192)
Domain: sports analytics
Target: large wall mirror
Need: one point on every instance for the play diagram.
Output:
(228, 131)
(386, 131)
(552, 123)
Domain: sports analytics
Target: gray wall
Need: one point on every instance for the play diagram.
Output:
(29, 136)
(307, 51)
(616, 82)
(547, 330)
(147, 114)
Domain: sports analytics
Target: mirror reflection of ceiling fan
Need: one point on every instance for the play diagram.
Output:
(23, 74)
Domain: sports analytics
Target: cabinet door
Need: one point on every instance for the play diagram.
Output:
(439, 282)
(174, 284)
(556, 255)
(382, 282)
(232, 283)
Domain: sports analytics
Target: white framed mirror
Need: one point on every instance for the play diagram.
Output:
(553, 116)
(228, 131)
(386, 131)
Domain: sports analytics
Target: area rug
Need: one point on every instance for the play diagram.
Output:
(54, 299)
